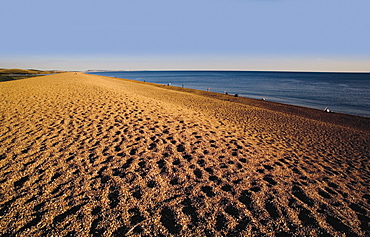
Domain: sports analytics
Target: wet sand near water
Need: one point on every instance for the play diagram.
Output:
(85, 155)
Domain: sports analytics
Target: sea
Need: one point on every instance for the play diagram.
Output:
(347, 93)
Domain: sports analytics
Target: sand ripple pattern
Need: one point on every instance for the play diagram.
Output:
(84, 155)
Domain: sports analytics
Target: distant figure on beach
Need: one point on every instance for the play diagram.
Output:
(327, 110)
(263, 98)
(208, 89)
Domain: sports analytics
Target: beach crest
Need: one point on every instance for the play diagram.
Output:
(90, 155)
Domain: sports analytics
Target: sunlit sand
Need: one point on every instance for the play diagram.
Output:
(84, 155)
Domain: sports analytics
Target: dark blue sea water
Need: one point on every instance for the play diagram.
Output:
(341, 92)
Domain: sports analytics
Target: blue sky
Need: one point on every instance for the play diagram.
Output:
(313, 35)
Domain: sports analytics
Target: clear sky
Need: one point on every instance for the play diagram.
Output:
(313, 35)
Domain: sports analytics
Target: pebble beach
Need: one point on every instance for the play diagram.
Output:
(86, 155)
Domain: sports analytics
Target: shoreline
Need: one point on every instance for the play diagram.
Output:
(259, 90)
(87, 155)
(342, 119)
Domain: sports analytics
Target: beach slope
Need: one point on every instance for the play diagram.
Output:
(85, 155)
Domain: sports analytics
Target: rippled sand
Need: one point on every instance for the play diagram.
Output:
(84, 155)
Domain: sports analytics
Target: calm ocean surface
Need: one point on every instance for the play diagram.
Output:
(341, 92)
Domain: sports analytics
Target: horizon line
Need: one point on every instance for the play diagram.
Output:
(240, 70)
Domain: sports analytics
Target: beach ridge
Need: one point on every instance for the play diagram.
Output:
(86, 155)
